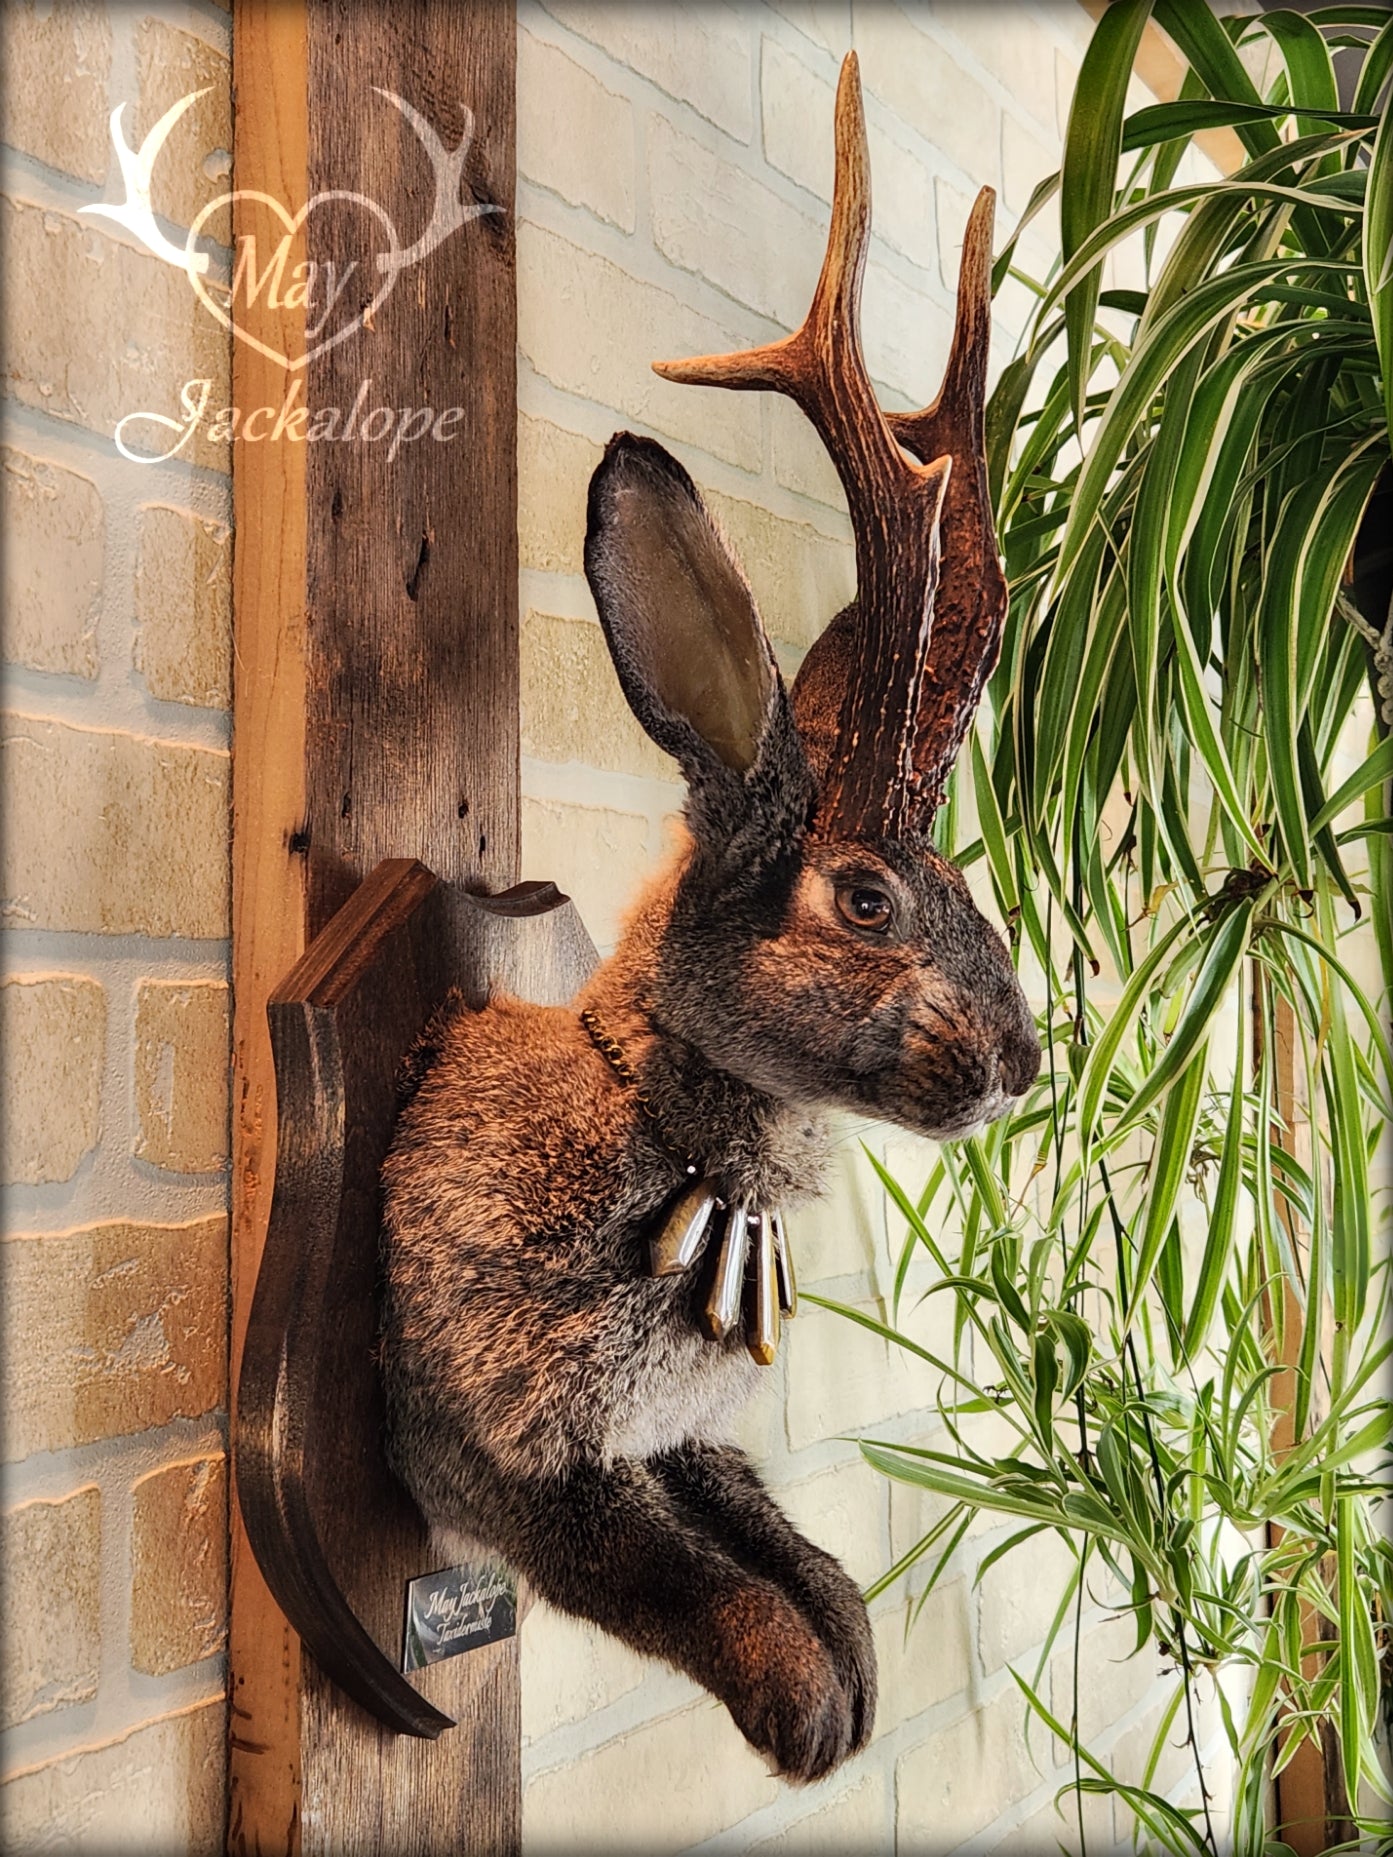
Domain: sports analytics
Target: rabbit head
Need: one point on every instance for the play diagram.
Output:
(814, 943)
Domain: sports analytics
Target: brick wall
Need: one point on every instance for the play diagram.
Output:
(113, 1267)
(675, 171)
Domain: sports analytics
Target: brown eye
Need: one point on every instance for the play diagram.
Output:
(864, 907)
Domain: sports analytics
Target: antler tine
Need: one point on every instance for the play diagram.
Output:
(894, 502)
(970, 606)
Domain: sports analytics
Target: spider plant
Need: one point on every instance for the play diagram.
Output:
(1170, 1268)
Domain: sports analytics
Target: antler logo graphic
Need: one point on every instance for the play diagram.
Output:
(315, 286)
(136, 212)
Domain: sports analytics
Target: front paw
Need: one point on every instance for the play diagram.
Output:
(838, 1614)
(785, 1691)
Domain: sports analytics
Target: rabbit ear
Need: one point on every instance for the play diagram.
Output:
(692, 656)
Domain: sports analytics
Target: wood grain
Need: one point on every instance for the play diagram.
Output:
(376, 716)
(356, 1001)
(270, 152)
(412, 562)
(337, 1535)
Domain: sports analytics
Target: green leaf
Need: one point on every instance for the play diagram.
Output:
(1375, 70)
(1077, 1339)
(1092, 144)
(1161, 121)
(1310, 73)
(1378, 254)
(1207, 46)
(1170, 1162)
(1223, 1217)
(1226, 947)
(1359, 1686)
(1045, 1373)
(1156, 355)
(1103, 1056)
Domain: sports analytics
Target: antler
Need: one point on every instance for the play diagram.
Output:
(137, 168)
(448, 211)
(970, 605)
(914, 656)
(869, 787)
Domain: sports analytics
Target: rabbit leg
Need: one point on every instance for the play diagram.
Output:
(612, 1545)
(720, 1489)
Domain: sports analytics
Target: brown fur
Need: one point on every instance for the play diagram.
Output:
(547, 1395)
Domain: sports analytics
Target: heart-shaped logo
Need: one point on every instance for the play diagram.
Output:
(270, 278)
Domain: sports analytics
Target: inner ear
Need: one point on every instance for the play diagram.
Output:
(683, 631)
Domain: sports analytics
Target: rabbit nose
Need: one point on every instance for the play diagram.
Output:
(1019, 1062)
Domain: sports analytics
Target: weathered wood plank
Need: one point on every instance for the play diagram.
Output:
(412, 560)
(376, 717)
(270, 152)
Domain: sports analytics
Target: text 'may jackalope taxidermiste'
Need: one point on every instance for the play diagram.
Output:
(584, 1254)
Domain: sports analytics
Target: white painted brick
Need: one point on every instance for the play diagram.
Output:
(595, 854)
(1006, 41)
(826, 22)
(1055, 1825)
(905, 337)
(840, 1232)
(1018, 1597)
(954, 1784)
(799, 575)
(794, 101)
(844, 1511)
(664, 1786)
(1111, 1680)
(859, 1818)
(54, 528)
(923, 1659)
(842, 1378)
(1131, 1751)
(574, 136)
(54, 1029)
(570, 1670)
(572, 708)
(797, 457)
(953, 207)
(594, 331)
(1026, 158)
(711, 218)
(796, 118)
(699, 54)
(554, 468)
(929, 91)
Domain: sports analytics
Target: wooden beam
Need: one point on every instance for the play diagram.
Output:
(270, 152)
(375, 716)
(413, 660)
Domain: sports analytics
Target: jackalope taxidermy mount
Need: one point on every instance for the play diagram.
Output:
(584, 1262)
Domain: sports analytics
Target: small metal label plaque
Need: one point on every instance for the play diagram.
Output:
(458, 1609)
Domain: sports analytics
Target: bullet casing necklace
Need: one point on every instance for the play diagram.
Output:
(747, 1265)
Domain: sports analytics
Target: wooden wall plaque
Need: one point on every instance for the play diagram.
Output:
(375, 717)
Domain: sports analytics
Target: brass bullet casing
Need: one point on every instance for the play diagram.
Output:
(679, 1240)
(761, 1292)
(783, 1265)
(722, 1309)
